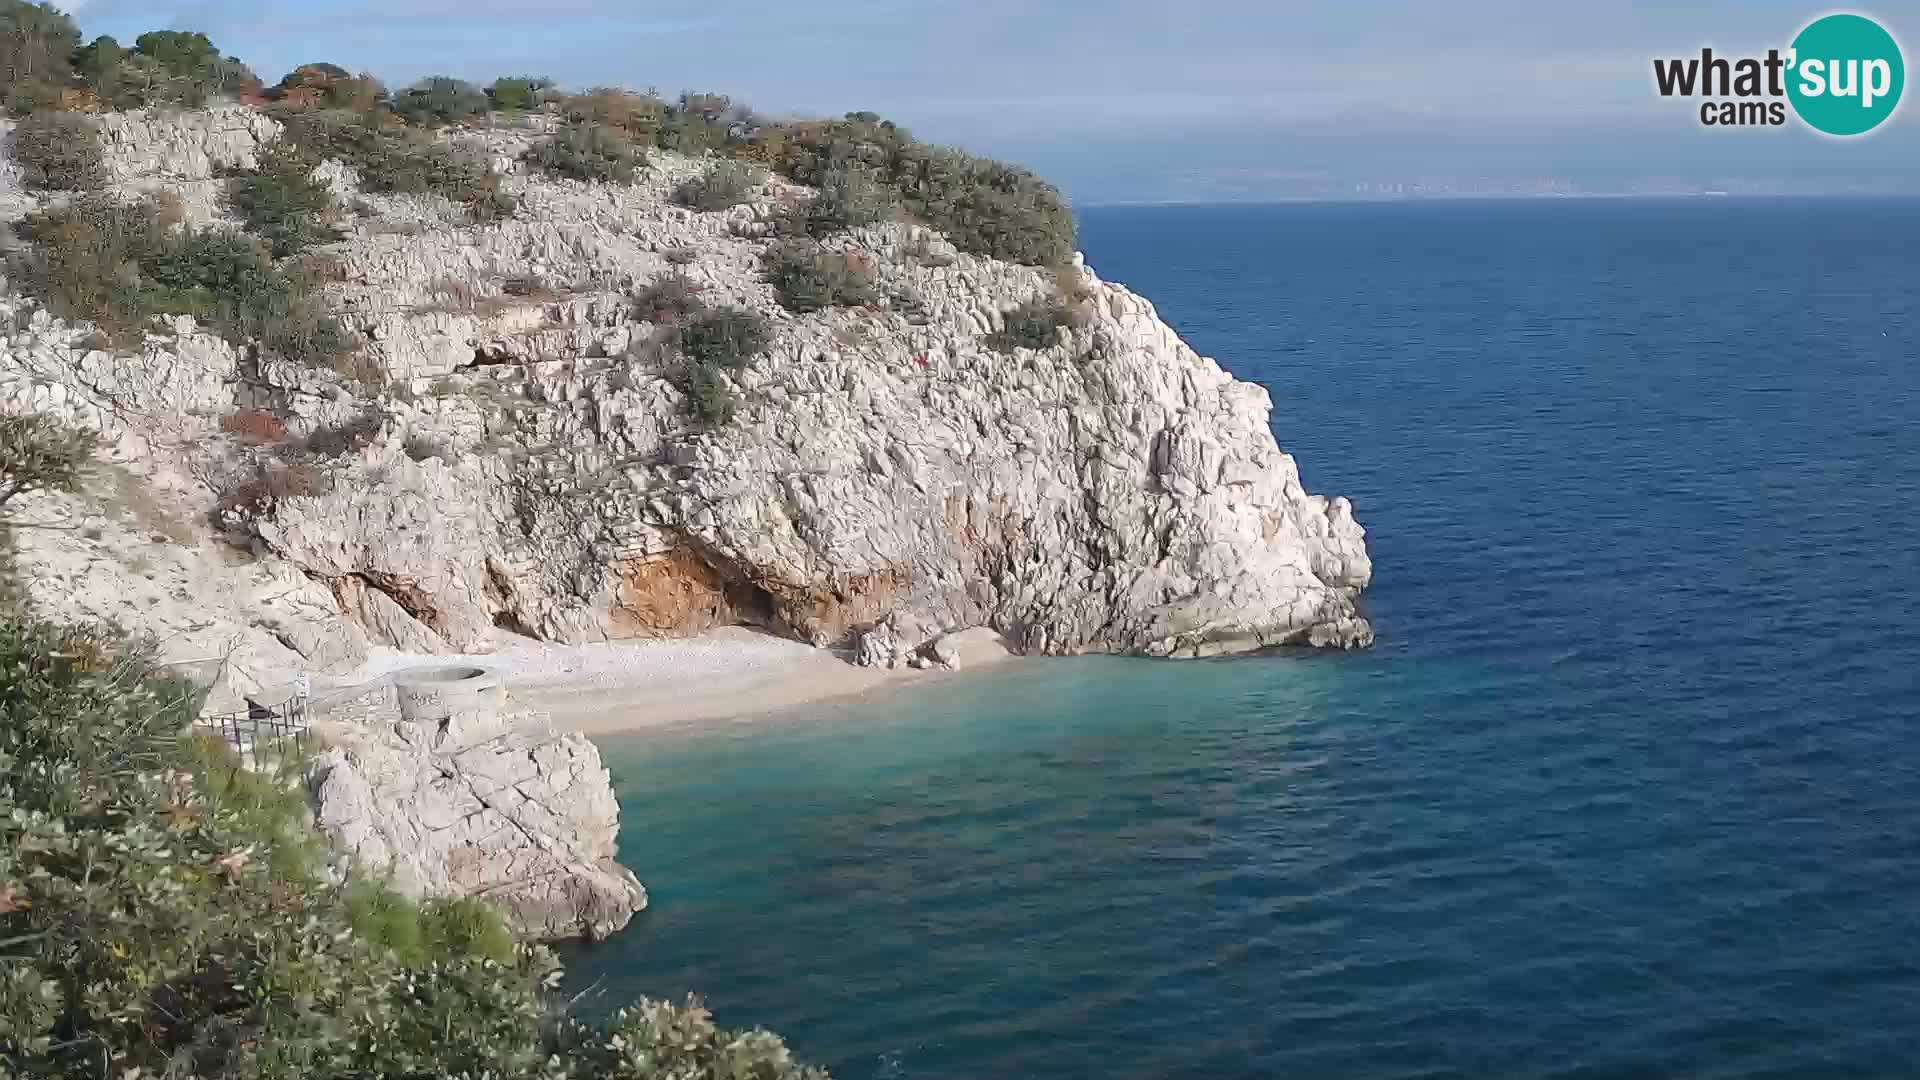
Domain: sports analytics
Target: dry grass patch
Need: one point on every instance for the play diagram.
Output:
(134, 499)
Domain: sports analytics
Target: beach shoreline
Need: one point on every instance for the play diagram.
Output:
(628, 687)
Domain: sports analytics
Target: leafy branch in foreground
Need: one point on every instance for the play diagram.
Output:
(168, 910)
(165, 911)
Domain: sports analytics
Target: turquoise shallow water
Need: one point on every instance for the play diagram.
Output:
(1631, 785)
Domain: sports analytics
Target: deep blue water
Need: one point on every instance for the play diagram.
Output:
(1629, 787)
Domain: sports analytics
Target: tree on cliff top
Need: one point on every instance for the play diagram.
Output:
(439, 101)
(519, 93)
(36, 41)
(36, 46)
(330, 86)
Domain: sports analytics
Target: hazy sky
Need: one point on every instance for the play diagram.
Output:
(1133, 99)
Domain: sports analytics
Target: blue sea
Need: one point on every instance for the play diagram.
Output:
(1629, 787)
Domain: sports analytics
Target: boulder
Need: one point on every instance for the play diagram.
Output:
(975, 647)
(524, 819)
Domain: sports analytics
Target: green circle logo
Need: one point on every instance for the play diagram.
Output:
(1846, 74)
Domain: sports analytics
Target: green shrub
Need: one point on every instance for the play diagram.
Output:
(60, 152)
(330, 86)
(850, 196)
(176, 67)
(37, 41)
(669, 299)
(637, 116)
(167, 910)
(440, 100)
(1033, 325)
(405, 167)
(299, 328)
(985, 207)
(211, 274)
(697, 123)
(709, 396)
(488, 204)
(388, 160)
(150, 920)
(86, 256)
(103, 65)
(710, 341)
(661, 1040)
(591, 152)
(118, 265)
(812, 148)
(332, 133)
(30, 96)
(724, 337)
(166, 67)
(282, 203)
(724, 184)
(519, 94)
(39, 453)
(809, 278)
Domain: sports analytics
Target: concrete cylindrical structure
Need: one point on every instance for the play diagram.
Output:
(450, 706)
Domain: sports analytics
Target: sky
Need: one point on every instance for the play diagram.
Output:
(1148, 100)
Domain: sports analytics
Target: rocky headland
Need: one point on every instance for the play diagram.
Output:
(510, 454)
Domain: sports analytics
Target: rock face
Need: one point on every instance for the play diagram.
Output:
(510, 456)
(890, 477)
(492, 806)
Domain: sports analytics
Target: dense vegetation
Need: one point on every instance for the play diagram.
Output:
(583, 150)
(811, 278)
(724, 184)
(36, 454)
(706, 343)
(851, 195)
(119, 264)
(44, 66)
(167, 910)
(59, 152)
(985, 207)
(867, 168)
(282, 203)
(392, 158)
(1035, 324)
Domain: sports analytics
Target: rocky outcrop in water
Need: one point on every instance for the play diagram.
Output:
(462, 799)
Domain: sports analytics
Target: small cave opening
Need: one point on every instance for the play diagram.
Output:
(510, 622)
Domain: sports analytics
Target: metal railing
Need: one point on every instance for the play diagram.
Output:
(275, 728)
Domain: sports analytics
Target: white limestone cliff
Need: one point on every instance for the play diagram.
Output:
(525, 466)
(481, 800)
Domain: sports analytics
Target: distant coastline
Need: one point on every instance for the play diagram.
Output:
(1582, 196)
